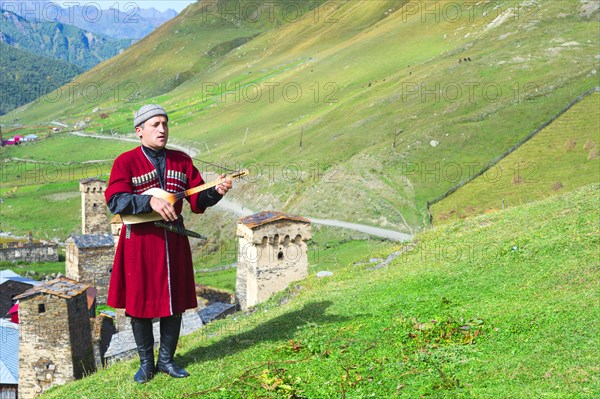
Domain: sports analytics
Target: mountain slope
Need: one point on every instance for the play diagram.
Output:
(344, 78)
(560, 158)
(498, 306)
(125, 21)
(56, 40)
(121, 21)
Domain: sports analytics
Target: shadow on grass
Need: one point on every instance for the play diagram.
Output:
(281, 328)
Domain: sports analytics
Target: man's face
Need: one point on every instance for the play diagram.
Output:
(154, 133)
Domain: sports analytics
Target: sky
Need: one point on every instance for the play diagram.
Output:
(160, 5)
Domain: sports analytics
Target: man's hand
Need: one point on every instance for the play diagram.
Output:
(164, 208)
(225, 186)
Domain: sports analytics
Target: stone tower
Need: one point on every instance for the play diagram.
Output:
(55, 336)
(272, 253)
(93, 206)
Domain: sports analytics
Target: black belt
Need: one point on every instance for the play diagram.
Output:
(179, 229)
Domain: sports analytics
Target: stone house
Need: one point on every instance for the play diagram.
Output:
(55, 336)
(89, 259)
(11, 285)
(272, 253)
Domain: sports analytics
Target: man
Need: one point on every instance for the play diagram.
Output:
(152, 275)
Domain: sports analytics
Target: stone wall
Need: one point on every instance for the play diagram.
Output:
(55, 344)
(244, 283)
(29, 252)
(90, 266)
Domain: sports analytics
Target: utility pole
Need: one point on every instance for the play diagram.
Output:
(301, 133)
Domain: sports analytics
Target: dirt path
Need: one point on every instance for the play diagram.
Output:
(241, 211)
(192, 152)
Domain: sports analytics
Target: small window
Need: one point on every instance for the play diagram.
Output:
(280, 255)
(41, 308)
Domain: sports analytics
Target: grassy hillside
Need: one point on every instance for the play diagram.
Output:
(155, 65)
(344, 77)
(561, 157)
(498, 306)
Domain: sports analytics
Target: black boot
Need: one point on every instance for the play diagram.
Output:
(144, 339)
(169, 336)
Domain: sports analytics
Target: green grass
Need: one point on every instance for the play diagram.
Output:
(63, 147)
(497, 306)
(223, 279)
(560, 158)
(56, 206)
(36, 270)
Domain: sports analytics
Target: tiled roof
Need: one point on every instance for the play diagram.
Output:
(93, 240)
(7, 274)
(266, 217)
(9, 354)
(62, 287)
(91, 179)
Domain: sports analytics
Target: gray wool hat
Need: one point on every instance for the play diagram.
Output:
(146, 112)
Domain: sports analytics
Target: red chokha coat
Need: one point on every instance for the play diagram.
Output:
(152, 274)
